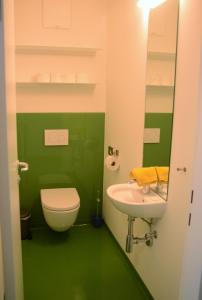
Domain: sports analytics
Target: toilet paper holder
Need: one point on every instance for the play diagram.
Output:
(112, 161)
(112, 151)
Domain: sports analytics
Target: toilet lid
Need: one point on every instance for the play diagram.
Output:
(60, 199)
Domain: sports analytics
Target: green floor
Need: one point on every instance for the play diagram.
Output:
(82, 264)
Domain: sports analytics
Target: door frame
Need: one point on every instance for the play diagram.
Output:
(9, 197)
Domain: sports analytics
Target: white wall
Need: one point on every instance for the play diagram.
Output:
(127, 51)
(125, 84)
(87, 29)
(160, 267)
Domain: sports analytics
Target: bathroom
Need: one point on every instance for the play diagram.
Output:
(101, 46)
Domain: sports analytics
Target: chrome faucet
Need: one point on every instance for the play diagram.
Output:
(159, 186)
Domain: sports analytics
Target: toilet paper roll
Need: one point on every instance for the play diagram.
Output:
(112, 162)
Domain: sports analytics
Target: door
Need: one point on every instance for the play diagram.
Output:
(9, 198)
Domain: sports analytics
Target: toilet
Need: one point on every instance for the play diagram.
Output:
(60, 207)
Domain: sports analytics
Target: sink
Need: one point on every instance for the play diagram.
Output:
(130, 199)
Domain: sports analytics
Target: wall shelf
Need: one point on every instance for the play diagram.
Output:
(158, 86)
(46, 84)
(161, 55)
(34, 49)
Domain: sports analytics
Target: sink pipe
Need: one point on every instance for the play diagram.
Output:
(148, 238)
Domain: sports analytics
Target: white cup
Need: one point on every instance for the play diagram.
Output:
(56, 77)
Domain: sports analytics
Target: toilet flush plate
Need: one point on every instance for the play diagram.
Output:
(56, 137)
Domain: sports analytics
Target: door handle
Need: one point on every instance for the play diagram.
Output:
(182, 170)
(23, 166)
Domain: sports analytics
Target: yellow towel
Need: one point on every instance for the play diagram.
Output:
(144, 176)
(162, 174)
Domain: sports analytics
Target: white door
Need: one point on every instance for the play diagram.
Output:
(9, 198)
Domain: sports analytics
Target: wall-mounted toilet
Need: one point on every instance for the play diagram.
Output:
(60, 207)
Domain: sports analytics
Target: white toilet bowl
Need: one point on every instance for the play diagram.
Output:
(60, 207)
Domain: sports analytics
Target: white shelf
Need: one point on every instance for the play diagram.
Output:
(160, 86)
(36, 84)
(34, 49)
(161, 55)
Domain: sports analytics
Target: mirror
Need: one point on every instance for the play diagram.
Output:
(160, 85)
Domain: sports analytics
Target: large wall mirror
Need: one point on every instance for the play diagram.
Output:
(160, 85)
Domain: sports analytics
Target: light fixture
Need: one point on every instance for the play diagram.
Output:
(149, 4)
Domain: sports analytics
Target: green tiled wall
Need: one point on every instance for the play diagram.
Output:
(158, 154)
(80, 164)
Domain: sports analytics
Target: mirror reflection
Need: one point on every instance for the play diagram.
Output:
(160, 87)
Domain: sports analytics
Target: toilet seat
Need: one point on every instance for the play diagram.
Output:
(61, 199)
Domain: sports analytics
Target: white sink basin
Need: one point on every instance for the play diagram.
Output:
(129, 199)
